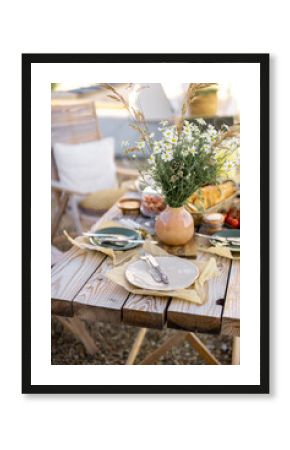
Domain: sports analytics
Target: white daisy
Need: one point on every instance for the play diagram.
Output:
(229, 166)
(193, 150)
(167, 156)
(125, 143)
(151, 159)
(173, 140)
(169, 133)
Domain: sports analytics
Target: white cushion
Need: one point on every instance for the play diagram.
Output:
(86, 167)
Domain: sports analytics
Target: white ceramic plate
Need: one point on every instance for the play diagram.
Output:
(181, 274)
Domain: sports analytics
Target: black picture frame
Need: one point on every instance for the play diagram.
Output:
(27, 61)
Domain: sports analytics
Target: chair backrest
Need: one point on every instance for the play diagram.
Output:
(72, 124)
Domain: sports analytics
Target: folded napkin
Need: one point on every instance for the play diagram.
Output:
(118, 256)
(220, 251)
(197, 293)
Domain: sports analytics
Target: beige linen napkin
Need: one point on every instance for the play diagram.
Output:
(118, 257)
(197, 293)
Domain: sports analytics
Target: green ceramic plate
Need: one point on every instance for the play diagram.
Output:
(130, 234)
(228, 234)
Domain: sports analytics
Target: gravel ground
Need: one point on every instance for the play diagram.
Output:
(114, 344)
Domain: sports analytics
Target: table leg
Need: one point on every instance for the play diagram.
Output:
(199, 346)
(236, 351)
(136, 346)
(167, 345)
(79, 330)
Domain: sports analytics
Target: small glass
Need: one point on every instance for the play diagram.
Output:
(212, 223)
(152, 203)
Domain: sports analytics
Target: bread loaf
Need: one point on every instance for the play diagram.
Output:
(209, 196)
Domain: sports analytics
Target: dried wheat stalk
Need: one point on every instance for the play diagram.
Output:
(190, 97)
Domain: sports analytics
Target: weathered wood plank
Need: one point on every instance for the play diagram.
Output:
(231, 311)
(56, 255)
(70, 275)
(205, 318)
(62, 308)
(100, 299)
(145, 311)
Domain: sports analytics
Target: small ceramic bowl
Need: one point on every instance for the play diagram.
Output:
(129, 206)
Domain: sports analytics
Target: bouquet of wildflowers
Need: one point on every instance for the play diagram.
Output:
(189, 155)
(184, 160)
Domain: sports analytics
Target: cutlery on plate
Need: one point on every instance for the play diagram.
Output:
(157, 267)
(234, 240)
(123, 241)
(156, 272)
(107, 235)
(225, 243)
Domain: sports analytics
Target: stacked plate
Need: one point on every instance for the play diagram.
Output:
(234, 245)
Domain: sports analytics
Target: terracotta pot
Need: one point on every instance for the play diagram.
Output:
(174, 226)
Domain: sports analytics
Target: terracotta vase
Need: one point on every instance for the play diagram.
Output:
(174, 226)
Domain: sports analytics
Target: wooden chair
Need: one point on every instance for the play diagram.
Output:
(76, 326)
(72, 124)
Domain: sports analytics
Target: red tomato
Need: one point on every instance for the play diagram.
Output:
(234, 223)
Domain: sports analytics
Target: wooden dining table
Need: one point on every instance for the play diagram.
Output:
(79, 290)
